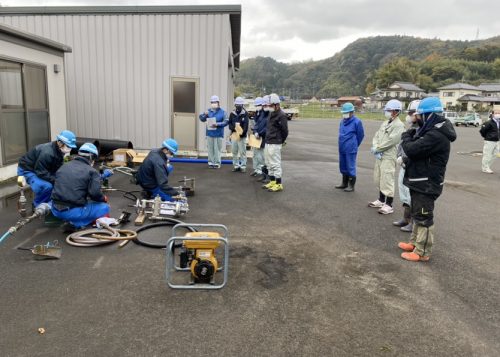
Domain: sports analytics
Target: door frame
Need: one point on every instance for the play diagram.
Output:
(196, 81)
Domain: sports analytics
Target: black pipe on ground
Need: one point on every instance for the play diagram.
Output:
(105, 146)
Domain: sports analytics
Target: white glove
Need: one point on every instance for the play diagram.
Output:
(256, 135)
(399, 160)
(101, 222)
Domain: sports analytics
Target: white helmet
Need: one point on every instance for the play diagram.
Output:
(266, 100)
(393, 104)
(412, 107)
(239, 101)
(274, 98)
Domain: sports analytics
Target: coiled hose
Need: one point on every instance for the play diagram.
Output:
(95, 237)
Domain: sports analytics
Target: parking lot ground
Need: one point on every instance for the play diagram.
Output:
(313, 271)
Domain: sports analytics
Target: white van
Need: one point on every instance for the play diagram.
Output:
(451, 116)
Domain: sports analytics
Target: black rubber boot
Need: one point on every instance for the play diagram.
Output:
(343, 185)
(351, 183)
(406, 218)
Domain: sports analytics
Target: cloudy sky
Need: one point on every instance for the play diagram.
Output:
(299, 30)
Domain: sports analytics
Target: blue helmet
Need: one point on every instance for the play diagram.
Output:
(171, 145)
(347, 108)
(88, 148)
(67, 138)
(430, 105)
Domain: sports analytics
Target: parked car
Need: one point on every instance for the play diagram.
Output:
(451, 116)
(472, 119)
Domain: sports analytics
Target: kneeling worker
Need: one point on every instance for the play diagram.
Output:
(39, 165)
(154, 171)
(75, 182)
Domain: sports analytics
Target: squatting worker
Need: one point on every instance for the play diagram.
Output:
(259, 131)
(76, 182)
(152, 176)
(385, 147)
(427, 150)
(405, 223)
(351, 134)
(276, 134)
(215, 131)
(39, 165)
(239, 116)
(490, 131)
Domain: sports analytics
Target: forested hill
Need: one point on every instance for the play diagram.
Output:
(374, 62)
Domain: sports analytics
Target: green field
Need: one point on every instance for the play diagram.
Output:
(319, 111)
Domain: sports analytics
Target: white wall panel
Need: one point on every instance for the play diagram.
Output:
(118, 76)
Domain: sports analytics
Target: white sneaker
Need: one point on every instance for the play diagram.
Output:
(386, 209)
(376, 204)
(487, 171)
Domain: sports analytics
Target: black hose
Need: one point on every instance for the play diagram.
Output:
(127, 194)
(166, 222)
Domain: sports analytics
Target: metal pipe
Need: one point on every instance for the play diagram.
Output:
(105, 146)
(196, 161)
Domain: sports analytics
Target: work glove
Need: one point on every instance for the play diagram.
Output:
(372, 150)
(170, 169)
(284, 144)
(399, 160)
(106, 173)
(378, 155)
(256, 135)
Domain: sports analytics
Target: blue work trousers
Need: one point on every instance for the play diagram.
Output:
(163, 195)
(83, 216)
(41, 189)
(347, 163)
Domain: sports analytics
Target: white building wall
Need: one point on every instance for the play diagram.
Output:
(55, 87)
(118, 76)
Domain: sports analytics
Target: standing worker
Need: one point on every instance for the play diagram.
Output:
(238, 125)
(215, 117)
(276, 134)
(405, 223)
(490, 131)
(39, 165)
(384, 147)
(153, 173)
(75, 182)
(427, 150)
(351, 135)
(259, 131)
(264, 178)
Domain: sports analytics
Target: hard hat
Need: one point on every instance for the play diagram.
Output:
(88, 148)
(393, 104)
(266, 100)
(171, 145)
(412, 107)
(347, 108)
(274, 99)
(258, 101)
(68, 138)
(239, 101)
(214, 98)
(430, 105)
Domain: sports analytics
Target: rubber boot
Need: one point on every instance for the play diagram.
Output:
(408, 228)
(351, 183)
(343, 185)
(406, 218)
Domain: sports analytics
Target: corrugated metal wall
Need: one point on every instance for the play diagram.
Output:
(118, 76)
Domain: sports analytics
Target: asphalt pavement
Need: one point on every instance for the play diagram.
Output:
(313, 270)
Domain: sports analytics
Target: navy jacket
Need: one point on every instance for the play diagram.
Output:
(153, 173)
(260, 126)
(277, 128)
(351, 135)
(242, 118)
(428, 151)
(220, 117)
(75, 182)
(43, 160)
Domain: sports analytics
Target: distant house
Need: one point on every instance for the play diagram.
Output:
(403, 91)
(477, 103)
(450, 94)
(490, 89)
(355, 100)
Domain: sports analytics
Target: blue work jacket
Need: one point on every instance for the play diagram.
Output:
(351, 135)
(221, 121)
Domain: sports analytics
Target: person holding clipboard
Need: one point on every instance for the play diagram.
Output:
(215, 118)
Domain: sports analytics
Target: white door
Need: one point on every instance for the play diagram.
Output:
(184, 121)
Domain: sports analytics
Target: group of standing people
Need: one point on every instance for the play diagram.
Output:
(269, 133)
(422, 150)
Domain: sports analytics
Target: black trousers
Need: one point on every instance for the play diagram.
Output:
(422, 208)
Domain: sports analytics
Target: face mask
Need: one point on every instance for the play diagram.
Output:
(266, 109)
(65, 150)
(239, 108)
(388, 115)
(345, 115)
(496, 116)
(271, 109)
(214, 105)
